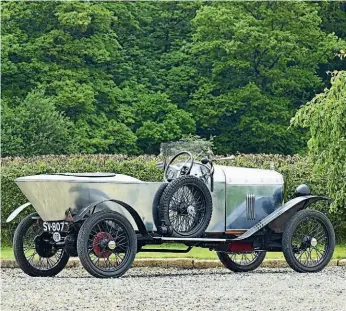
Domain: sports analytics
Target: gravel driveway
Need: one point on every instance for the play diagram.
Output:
(171, 289)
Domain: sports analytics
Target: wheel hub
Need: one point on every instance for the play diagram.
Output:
(313, 242)
(305, 243)
(101, 243)
(182, 209)
(308, 242)
(43, 246)
(191, 210)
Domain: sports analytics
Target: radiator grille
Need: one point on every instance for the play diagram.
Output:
(250, 207)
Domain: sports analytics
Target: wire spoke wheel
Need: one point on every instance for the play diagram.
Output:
(187, 209)
(35, 250)
(106, 244)
(308, 241)
(38, 250)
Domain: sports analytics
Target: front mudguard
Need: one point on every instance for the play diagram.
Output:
(17, 211)
(276, 221)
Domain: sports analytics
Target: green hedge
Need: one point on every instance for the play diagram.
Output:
(295, 169)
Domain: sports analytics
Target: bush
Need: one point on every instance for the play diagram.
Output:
(295, 169)
(35, 127)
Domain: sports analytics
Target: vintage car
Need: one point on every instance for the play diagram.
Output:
(105, 219)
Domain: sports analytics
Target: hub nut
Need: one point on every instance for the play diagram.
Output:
(111, 245)
(313, 242)
(191, 210)
(56, 236)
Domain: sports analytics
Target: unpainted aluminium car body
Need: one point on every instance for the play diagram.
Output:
(242, 197)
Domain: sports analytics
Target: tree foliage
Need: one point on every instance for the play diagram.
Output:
(325, 116)
(257, 64)
(72, 51)
(128, 76)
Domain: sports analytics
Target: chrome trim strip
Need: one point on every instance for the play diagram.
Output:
(250, 206)
(253, 206)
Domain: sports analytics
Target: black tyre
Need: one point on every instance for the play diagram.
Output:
(106, 244)
(308, 241)
(241, 262)
(186, 207)
(34, 249)
(156, 204)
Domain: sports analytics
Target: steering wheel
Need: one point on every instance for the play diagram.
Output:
(185, 168)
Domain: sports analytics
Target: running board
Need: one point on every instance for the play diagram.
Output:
(160, 250)
(191, 239)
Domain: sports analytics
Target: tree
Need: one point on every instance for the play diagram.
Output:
(325, 117)
(236, 71)
(256, 63)
(35, 127)
(91, 59)
(333, 15)
(159, 120)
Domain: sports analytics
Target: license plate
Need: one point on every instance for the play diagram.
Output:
(55, 226)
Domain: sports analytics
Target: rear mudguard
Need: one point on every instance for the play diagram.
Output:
(90, 209)
(293, 205)
(16, 212)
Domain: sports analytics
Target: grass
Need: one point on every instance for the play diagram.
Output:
(196, 253)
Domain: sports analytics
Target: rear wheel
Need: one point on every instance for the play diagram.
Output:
(241, 262)
(308, 241)
(35, 250)
(106, 244)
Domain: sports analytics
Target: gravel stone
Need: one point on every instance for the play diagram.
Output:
(177, 289)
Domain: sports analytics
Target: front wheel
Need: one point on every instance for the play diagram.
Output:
(241, 262)
(35, 250)
(308, 241)
(106, 244)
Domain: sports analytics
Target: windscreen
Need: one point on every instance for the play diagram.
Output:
(198, 147)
